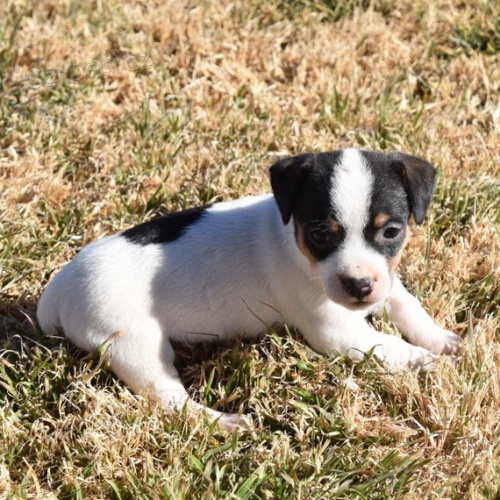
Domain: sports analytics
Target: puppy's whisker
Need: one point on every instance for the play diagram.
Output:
(256, 315)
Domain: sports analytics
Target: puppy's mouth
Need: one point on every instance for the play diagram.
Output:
(360, 302)
(355, 303)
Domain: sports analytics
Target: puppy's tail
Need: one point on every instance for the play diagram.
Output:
(47, 313)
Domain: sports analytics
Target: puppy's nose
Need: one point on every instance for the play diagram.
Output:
(358, 288)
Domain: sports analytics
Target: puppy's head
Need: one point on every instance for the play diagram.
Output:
(350, 212)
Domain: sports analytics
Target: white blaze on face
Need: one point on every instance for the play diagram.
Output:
(351, 195)
(351, 192)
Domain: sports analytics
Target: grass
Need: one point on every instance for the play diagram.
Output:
(113, 113)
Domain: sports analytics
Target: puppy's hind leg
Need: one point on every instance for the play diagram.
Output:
(145, 362)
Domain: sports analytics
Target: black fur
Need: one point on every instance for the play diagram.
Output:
(164, 229)
(301, 186)
(416, 176)
(287, 176)
(389, 197)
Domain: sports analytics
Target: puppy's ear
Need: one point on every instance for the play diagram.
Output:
(419, 180)
(287, 176)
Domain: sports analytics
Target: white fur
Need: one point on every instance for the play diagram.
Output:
(352, 191)
(237, 270)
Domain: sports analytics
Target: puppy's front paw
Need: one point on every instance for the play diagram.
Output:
(399, 355)
(232, 422)
(443, 341)
(420, 359)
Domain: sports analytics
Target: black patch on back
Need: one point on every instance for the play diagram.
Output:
(164, 229)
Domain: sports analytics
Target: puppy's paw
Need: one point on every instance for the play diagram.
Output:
(420, 359)
(399, 355)
(232, 422)
(443, 341)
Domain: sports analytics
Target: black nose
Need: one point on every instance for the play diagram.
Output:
(358, 288)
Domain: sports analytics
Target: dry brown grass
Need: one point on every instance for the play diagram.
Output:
(190, 102)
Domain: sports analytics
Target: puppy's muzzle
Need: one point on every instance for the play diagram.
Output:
(358, 288)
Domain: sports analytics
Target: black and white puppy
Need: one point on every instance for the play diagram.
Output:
(319, 255)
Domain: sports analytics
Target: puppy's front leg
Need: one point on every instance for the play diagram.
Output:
(341, 332)
(416, 325)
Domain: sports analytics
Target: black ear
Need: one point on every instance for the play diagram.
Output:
(419, 180)
(286, 177)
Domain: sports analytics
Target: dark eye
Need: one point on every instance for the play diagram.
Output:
(319, 236)
(392, 232)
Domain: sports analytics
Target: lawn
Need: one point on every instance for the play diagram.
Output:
(112, 113)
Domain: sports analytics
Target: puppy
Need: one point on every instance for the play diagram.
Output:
(320, 254)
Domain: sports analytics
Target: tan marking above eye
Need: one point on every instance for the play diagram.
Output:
(381, 220)
(334, 225)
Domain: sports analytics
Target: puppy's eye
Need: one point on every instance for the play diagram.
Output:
(392, 232)
(320, 236)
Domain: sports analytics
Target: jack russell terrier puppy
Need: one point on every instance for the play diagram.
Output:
(319, 254)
